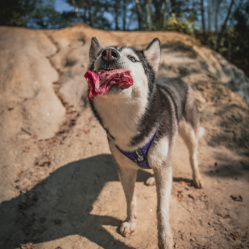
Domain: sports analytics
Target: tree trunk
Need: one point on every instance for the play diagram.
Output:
(173, 6)
(165, 15)
(139, 14)
(203, 22)
(159, 14)
(216, 17)
(116, 15)
(224, 25)
(209, 16)
(89, 11)
(76, 10)
(149, 20)
(124, 14)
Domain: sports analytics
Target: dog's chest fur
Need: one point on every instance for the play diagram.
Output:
(121, 119)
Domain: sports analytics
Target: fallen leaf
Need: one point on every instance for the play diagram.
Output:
(87, 131)
(10, 108)
(182, 182)
(235, 235)
(192, 239)
(44, 163)
(26, 150)
(203, 196)
(191, 196)
(55, 140)
(19, 173)
(205, 159)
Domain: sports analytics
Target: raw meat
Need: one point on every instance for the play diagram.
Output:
(101, 82)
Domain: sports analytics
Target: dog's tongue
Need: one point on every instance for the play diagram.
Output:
(101, 82)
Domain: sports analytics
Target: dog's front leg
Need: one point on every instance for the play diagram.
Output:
(163, 177)
(127, 177)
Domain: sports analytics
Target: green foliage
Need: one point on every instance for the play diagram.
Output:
(13, 12)
(45, 17)
(182, 25)
(31, 13)
(234, 45)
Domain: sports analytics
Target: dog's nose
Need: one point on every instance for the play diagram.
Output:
(109, 55)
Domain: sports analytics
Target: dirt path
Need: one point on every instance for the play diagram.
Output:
(62, 191)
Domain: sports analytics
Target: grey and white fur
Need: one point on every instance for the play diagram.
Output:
(132, 116)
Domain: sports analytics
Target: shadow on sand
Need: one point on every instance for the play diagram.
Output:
(60, 206)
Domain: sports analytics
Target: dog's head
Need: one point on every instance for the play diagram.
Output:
(143, 65)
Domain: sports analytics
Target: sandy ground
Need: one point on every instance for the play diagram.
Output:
(59, 187)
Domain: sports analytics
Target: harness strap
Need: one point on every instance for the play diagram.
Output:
(139, 156)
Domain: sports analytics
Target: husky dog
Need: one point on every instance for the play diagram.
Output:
(142, 123)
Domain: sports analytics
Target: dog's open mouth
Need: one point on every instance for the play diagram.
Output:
(101, 81)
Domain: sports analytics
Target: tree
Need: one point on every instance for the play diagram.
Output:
(124, 14)
(217, 11)
(203, 21)
(139, 14)
(30, 13)
(93, 12)
(76, 9)
(13, 12)
(224, 25)
(149, 14)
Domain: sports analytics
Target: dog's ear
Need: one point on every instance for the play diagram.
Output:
(153, 53)
(95, 48)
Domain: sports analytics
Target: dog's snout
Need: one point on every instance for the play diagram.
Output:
(109, 55)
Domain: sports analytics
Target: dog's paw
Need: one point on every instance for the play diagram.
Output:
(167, 243)
(127, 228)
(198, 183)
(150, 181)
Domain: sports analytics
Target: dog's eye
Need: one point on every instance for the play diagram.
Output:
(132, 59)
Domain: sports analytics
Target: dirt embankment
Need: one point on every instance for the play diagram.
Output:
(58, 182)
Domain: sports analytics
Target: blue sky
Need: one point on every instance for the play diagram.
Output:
(61, 6)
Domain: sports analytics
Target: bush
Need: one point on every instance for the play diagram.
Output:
(181, 25)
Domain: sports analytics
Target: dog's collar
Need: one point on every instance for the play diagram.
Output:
(139, 156)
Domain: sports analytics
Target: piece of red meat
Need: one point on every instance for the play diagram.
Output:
(101, 82)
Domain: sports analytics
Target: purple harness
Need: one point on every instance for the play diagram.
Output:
(139, 156)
